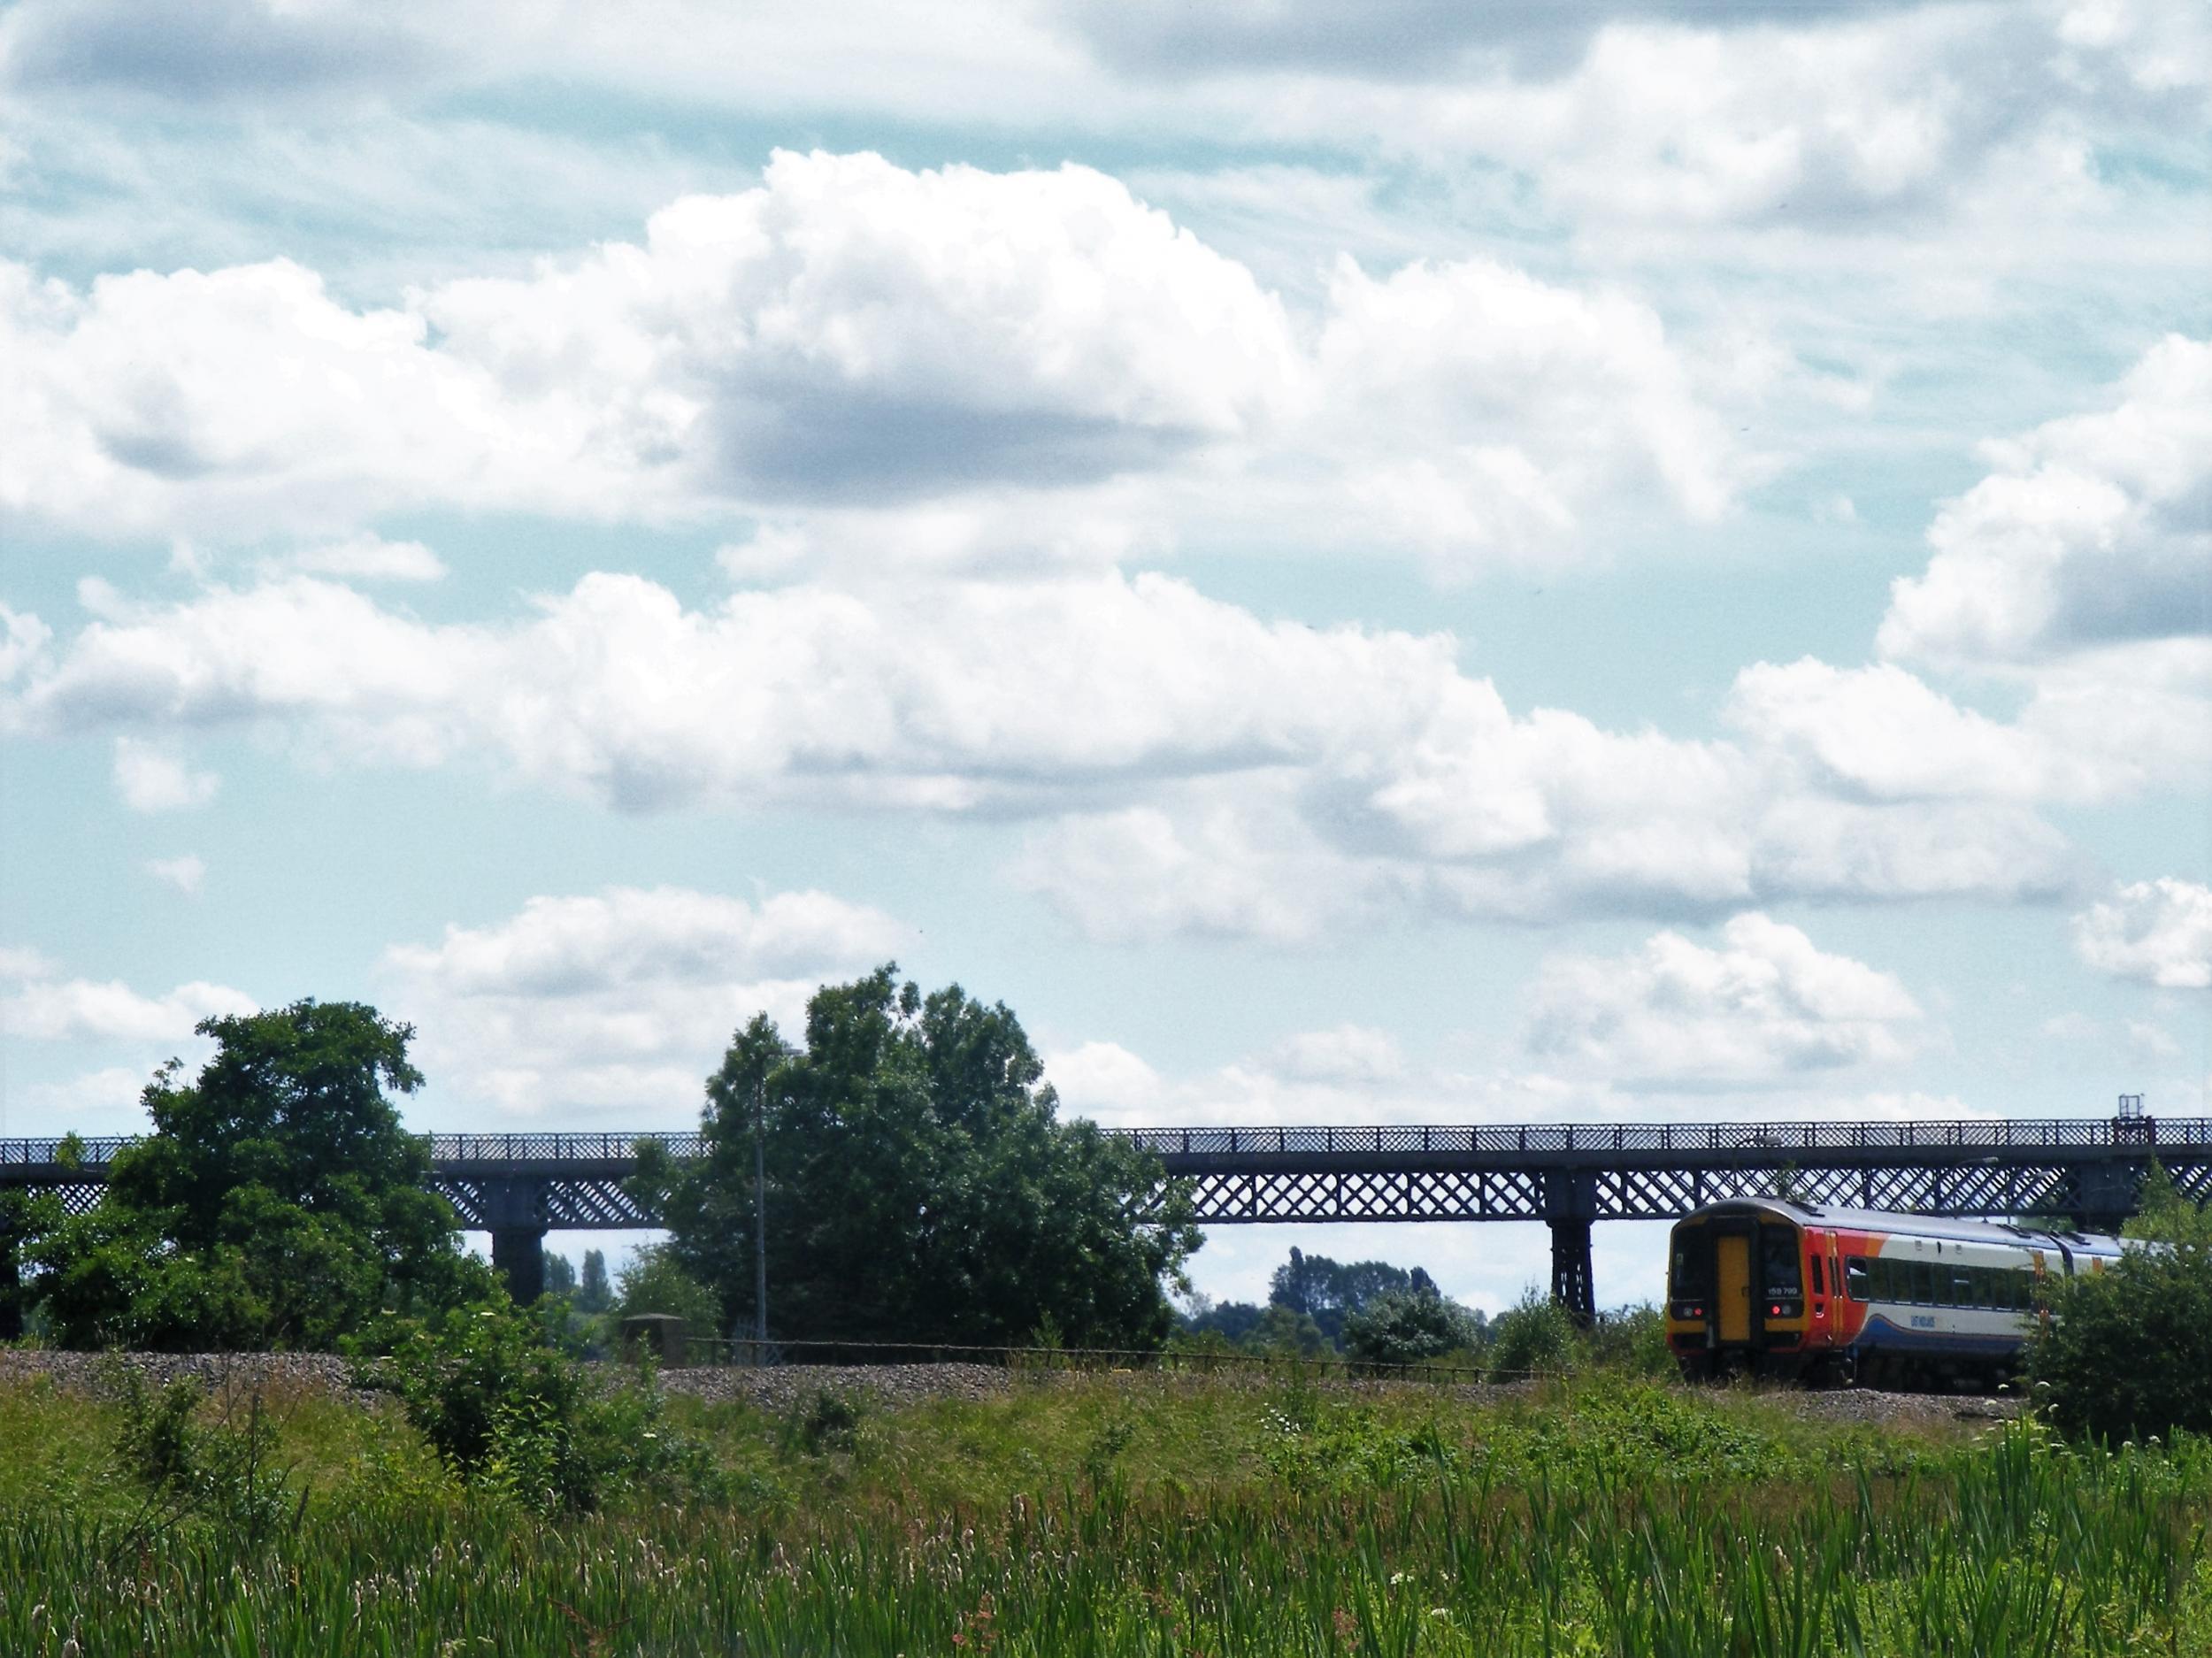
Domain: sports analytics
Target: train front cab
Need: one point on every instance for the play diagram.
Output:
(1736, 1293)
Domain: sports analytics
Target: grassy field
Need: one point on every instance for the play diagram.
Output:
(1134, 1516)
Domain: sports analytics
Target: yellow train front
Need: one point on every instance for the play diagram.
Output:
(1762, 1286)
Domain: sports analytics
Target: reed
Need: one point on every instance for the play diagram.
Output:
(1471, 1533)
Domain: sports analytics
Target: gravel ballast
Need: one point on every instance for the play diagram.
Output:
(781, 1388)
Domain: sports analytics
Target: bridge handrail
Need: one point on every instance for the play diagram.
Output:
(1994, 1134)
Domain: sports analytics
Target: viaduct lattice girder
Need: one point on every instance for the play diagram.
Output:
(2086, 1167)
(519, 1187)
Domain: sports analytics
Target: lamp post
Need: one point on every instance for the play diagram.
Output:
(760, 1219)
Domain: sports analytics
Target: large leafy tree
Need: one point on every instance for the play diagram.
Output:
(920, 1185)
(2127, 1352)
(277, 1202)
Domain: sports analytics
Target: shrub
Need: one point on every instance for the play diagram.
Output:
(1535, 1334)
(2127, 1352)
(1630, 1338)
(513, 1415)
(654, 1281)
(221, 1473)
(1408, 1327)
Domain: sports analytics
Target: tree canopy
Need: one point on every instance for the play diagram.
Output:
(277, 1202)
(1330, 1291)
(921, 1187)
(2127, 1352)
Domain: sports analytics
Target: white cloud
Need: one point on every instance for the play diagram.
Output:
(22, 641)
(1207, 770)
(184, 873)
(1882, 732)
(620, 1003)
(371, 558)
(1476, 414)
(1352, 1053)
(847, 329)
(1766, 1004)
(2091, 531)
(849, 337)
(109, 1093)
(150, 778)
(38, 1003)
(2159, 932)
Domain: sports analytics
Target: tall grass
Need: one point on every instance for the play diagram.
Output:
(1357, 1536)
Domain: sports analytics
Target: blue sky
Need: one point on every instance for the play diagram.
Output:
(1409, 563)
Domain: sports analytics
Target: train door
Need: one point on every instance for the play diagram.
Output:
(1731, 1287)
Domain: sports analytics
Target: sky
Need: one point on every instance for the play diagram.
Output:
(1410, 563)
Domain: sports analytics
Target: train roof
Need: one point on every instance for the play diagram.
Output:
(1902, 1223)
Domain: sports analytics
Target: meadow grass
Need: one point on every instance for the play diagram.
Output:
(1130, 1515)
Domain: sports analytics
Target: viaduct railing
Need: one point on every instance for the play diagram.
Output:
(518, 1186)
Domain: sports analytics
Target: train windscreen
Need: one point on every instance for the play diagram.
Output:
(1690, 1271)
(1779, 1261)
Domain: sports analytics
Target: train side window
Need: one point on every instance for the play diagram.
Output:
(1858, 1278)
(1819, 1277)
(1962, 1289)
(1923, 1287)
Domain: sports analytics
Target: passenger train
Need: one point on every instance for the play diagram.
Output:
(1823, 1295)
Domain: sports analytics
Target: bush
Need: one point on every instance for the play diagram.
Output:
(1535, 1334)
(513, 1415)
(1408, 1327)
(655, 1282)
(1630, 1338)
(2127, 1352)
(220, 1473)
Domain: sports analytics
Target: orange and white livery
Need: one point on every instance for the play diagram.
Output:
(1783, 1289)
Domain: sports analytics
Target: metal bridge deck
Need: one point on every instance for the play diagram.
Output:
(2083, 1166)
(518, 1186)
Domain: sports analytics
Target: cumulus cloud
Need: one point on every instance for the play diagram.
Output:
(370, 557)
(37, 1002)
(1478, 414)
(238, 48)
(620, 1003)
(108, 1093)
(2092, 531)
(1766, 1004)
(150, 778)
(2159, 932)
(1204, 769)
(851, 339)
(1346, 1053)
(847, 329)
(1417, 39)
(185, 874)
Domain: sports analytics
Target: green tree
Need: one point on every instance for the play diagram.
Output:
(593, 1294)
(654, 1280)
(560, 1275)
(1535, 1334)
(1331, 1291)
(920, 1185)
(25, 1217)
(277, 1202)
(2127, 1352)
(1408, 1327)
